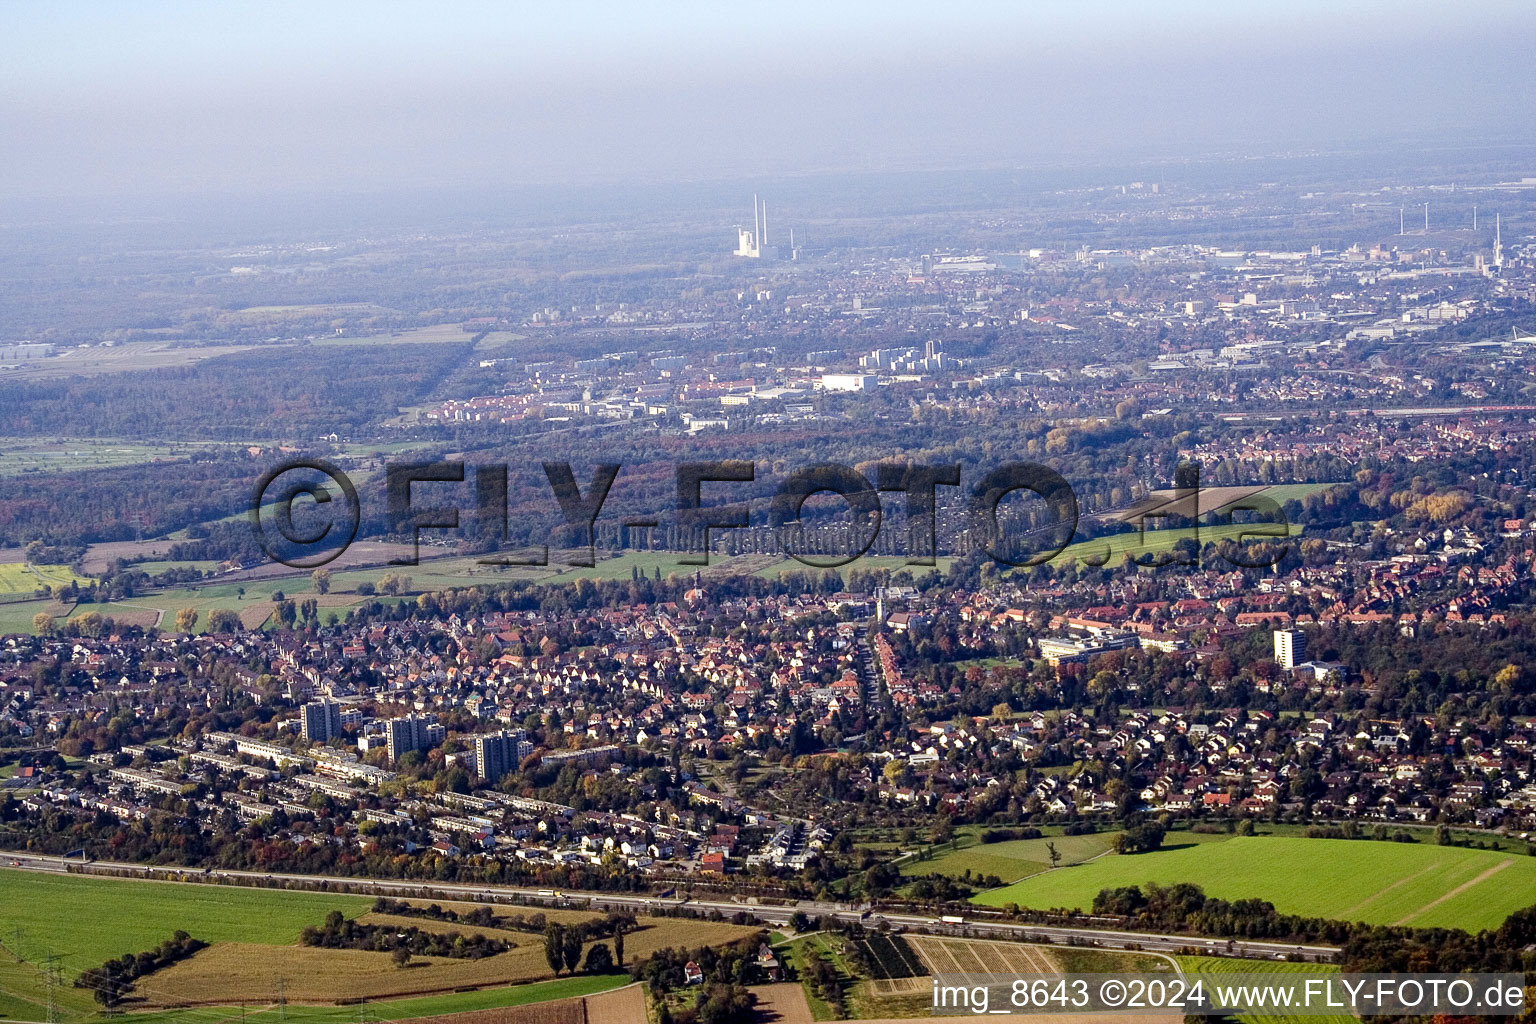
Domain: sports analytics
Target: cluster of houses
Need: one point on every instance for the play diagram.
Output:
(337, 715)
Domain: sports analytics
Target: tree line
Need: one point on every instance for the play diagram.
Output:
(111, 982)
(340, 932)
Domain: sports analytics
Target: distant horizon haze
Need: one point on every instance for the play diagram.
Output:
(121, 101)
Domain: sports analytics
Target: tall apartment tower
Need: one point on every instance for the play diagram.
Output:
(495, 755)
(1290, 648)
(413, 732)
(321, 720)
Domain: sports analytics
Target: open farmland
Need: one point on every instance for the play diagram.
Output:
(97, 918)
(1158, 542)
(1012, 859)
(244, 972)
(88, 920)
(60, 455)
(93, 360)
(1214, 967)
(17, 616)
(545, 1002)
(889, 956)
(979, 956)
(253, 951)
(899, 979)
(240, 971)
(22, 579)
(1377, 882)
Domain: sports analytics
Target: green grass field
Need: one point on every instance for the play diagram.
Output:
(85, 921)
(16, 616)
(1157, 542)
(1214, 967)
(1378, 882)
(1010, 860)
(21, 579)
(61, 455)
(92, 919)
(1281, 493)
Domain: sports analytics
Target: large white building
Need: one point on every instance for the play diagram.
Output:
(1290, 648)
(849, 381)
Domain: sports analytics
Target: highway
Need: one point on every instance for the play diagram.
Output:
(769, 913)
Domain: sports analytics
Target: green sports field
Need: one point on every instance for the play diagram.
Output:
(1379, 882)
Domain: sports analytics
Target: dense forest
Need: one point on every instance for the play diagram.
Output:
(298, 393)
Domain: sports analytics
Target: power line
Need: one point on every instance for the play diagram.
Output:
(51, 975)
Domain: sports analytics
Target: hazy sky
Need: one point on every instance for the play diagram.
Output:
(154, 98)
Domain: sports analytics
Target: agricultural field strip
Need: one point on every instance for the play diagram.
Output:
(1463, 887)
(970, 956)
(1207, 966)
(1344, 914)
(889, 955)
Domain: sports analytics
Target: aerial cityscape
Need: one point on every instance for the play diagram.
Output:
(762, 580)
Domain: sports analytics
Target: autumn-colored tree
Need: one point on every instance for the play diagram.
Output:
(223, 620)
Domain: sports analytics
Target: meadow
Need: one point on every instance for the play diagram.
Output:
(1414, 884)
(1158, 542)
(20, 455)
(20, 580)
(1010, 860)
